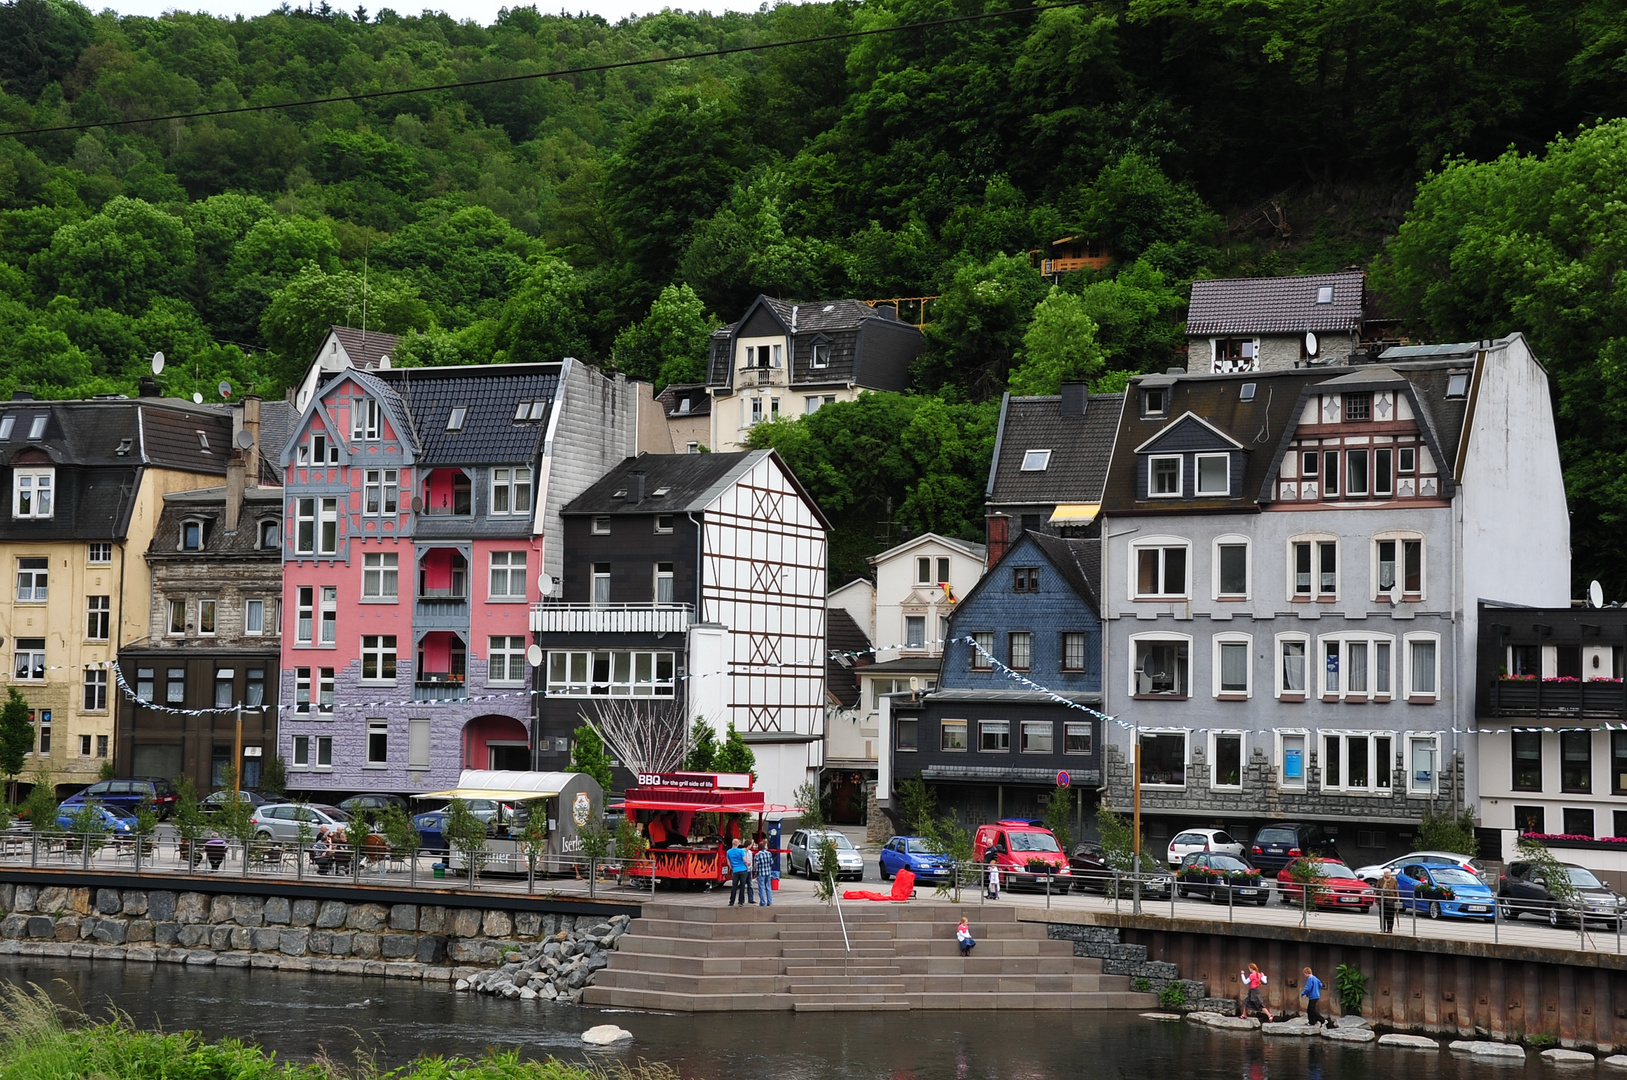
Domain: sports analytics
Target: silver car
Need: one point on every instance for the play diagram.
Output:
(281, 821)
(804, 847)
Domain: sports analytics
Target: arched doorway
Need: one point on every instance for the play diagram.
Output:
(496, 742)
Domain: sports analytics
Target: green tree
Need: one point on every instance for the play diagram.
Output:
(735, 756)
(588, 756)
(188, 819)
(978, 324)
(121, 258)
(39, 42)
(466, 834)
(274, 779)
(300, 313)
(1059, 817)
(16, 739)
(1136, 210)
(917, 805)
(669, 345)
(1058, 347)
(806, 796)
(41, 802)
(1448, 832)
(702, 755)
(544, 319)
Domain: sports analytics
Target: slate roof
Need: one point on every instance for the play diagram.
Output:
(700, 402)
(489, 394)
(1079, 561)
(841, 320)
(277, 422)
(366, 350)
(843, 635)
(1080, 448)
(1281, 305)
(210, 505)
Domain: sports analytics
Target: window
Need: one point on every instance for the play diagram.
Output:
(324, 751)
(254, 692)
(982, 650)
(1073, 651)
(1618, 764)
(1233, 354)
(1330, 473)
(1358, 407)
(952, 735)
(101, 554)
(601, 583)
(1025, 579)
(144, 684)
(45, 731)
(1360, 761)
(225, 693)
(511, 491)
(418, 743)
(1314, 565)
(756, 410)
(1163, 760)
(31, 493)
(611, 674)
(1154, 401)
(1036, 460)
(943, 571)
(1233, 666)
(663, 523)
(1578, 820)
(1245, 392)
(821, 355)
(1356, 472)
(507, 575)
(1409, 574)
(378, 657)
(177, 616)
(364, 420)
(601, 526)
(323, 700)
(101, 746)
(664, 593)
(381, 492)
(1020, 646)
(1160, 667)
(328, 538)
(507, 660)
(1231, 568)
(1164, 477)
(1038, 737)
(191, 535)
(98, 612)
(906, 734)
(302, 752)
(330, 614)
(1079, 737)
(1457, 384)
(174, 685)
(1406, 459)
(923, 571)
(1357, 667)
(1291, 653)
(84, 746)
(1384, 471)
(994, 736)
(304, 526)
(1423, 673)
(454, 419)
(1226, 760)
(7, 423)
(1576, 762)
(915, 631)
(1422, 755)
(1214, 474)
(304, 612)
(206, 617)
(36, 426)
(1530, 819)
(95, 689)
(32, 577)
(1324, 294)
(1291, 755)
(378, 742)
(1160, 572)
(536, 410)
(381, 575)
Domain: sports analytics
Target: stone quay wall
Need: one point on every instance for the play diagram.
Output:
(410, 940)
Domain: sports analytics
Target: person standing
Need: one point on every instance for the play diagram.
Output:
(763, 863)
(1389, 900)
(1312, 993)
(1254, 981)
(994, 878)
(740, 887)
(963, 938)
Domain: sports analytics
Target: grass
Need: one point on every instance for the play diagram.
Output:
(39, 1041)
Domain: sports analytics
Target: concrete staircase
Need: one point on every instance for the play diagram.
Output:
(691, 958)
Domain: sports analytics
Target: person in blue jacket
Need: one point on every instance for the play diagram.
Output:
(740, 891)
(1312, 993)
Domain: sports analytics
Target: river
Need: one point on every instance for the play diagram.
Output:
(301, 1015)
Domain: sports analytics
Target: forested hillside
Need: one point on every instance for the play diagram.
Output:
(618, 215)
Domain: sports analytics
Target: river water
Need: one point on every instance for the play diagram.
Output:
(301, 1015)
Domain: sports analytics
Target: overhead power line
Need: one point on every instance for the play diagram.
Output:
(558, 74)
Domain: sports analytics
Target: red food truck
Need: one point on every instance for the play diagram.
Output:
(664, 806)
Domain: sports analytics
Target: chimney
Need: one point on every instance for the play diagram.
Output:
(149, 387)
(998, 532)
(235, 466)
(251, 424)
(1075, 396)
(635, 488)
(22, 394)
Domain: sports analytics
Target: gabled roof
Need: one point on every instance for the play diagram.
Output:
(1078, 560)
(672, 398)
(161, 431)
(808, 318)
(1080, 448)
(366, 349)
(489, 395)
(210, 504)
(1281, 305)
(688, 482)
(1221, 439)
(965, 547)
(843, 638)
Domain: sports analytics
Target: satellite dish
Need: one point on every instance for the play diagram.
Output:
(1310, 343)
(158, 363)
(533, 656)
(915, 684)
(1395, 593)
(417, 505)
(244, 440)
(545, 585)
(225, 389)
(1595, 594)
(197, 398)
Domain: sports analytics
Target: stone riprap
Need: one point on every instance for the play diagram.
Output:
(557, 969)
(406, 940)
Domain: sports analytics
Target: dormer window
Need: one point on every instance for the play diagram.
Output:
(1358, 407)
(31, 493)
(1214, 474)
(1164, 477)
(124, 447)
(683, 406)
(36, 427)
(192, 535)
(1324, 294)
(7, 422)
(1154, 401)
(364, 420)
(1234, 354)
(271, 533)
(821, 354)
(1036, 460)
(1457, 384)
(454, 419)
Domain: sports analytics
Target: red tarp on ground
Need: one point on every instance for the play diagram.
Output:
(903, 885)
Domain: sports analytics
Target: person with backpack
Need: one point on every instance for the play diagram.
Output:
(1253, 980)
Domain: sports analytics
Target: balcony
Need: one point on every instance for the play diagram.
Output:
(758, 376)
(652, 618)
(1602, 699)
(438, 686)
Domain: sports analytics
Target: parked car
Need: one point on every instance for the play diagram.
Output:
(280, 821)
(431, 828)
(1211, 874)
(1090, 872)
(1189, 840)
(1275, 846)
(370, 808)
(805, 843)
(128, 794)
(1336, 886)
(1019, 849)
(215, 803)
(115, 819)
(1525, 890)
(1443, 889)
(915, 855)
(1428, 858)
(490, 811)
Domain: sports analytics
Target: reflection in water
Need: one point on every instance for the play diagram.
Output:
(299, 1015)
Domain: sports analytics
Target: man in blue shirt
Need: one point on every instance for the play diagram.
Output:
(1312, 993)
(741, 888)
(763, 864)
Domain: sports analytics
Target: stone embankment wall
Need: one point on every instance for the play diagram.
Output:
(402, 940)
(1102, 942)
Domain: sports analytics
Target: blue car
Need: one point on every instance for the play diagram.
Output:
(116, 819)
(1445, 890)
(913, 854)
(432, 830)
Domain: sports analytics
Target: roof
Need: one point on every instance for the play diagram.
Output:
(673, 397)
(843, 637)
(277, 422)
(687, 483)
(965, 547)
(1080, 449)
(905, 665)
(1016, 697)
(809, 319)
(1079, 561)
(489, 395)
(366, 349)
(210, 504)
(1280, 305)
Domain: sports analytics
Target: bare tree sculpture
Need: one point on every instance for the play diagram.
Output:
(649, 735)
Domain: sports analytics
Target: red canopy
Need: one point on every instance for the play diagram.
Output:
(716, 802)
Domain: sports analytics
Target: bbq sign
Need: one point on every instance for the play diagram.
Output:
(695, 781)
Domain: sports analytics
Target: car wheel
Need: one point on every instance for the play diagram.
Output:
(261, 834)
(1508, 912)
(883, 868)
(1282, 894)
(1434, 909)
(1262, 901)
(1553, 916)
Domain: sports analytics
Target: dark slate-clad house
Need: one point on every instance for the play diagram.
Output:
(988, 745)
(789, 359)
(1269, 324)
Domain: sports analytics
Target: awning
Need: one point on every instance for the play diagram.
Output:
(1075, 513)
(505, 785)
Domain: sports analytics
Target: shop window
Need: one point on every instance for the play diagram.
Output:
(1163, 759)
(1576, 762)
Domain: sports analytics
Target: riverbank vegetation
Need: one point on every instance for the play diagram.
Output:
(40, 1041)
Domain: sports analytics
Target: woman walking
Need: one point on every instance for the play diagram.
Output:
(1253, 980)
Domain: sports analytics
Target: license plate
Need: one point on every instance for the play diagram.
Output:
(1477, 908)
(1349, 899)
(1041, 879)
(1248, 892)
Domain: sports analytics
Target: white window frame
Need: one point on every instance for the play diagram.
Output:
(1316, 540)
(101, 554)
(375, 649)
(600, 525)
(419, 732)
(1375, 767)
(95, 695)
(1232, 540)
(305, 614)
(1186, 765)
(365, 420)
(212, 608)
(513, 576)
(328, 600)
(378, 569)
(381, 492)
(1277, 679)
(1400, 538)
(511, 486)
(821, 354)
(511, 650)
(38, 590)
(378, 728)
(1161, 543)
(571, 686)
(40, 486)
(665, 575)
(1230, 638)
(1036, 461)
(174, 606)
(1180, 476)
(327, 526)
(1344, 639)
(1407, 674)
(1410, 740)
(1282, 736)
(98, 609)
(304, 517)
(914, 639)
(1159, 636)
(254, 612)
(1215, 735)
(1197, 475)
(35, 663)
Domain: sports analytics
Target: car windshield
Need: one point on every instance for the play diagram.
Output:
(119, 812)
(917, 847)
(842, 843)
(1226, 862)
(332, 811)
(1033, 841)
(1274, 836)
(1583, 878)
(1334, 870)
(1453, 875)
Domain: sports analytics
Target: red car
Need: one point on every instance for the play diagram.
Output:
(1027, 854)
(1338, 885)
